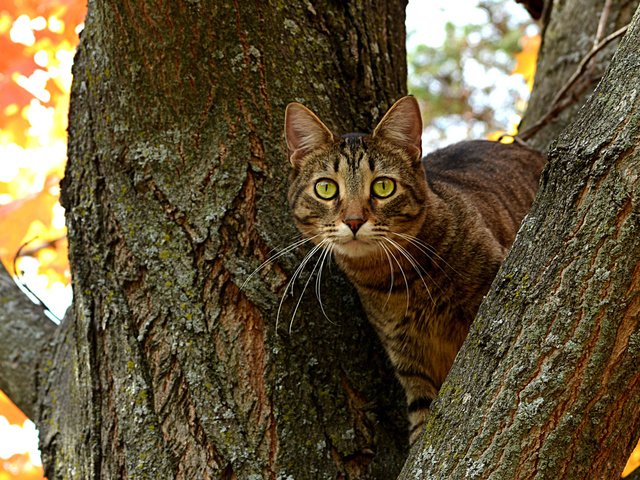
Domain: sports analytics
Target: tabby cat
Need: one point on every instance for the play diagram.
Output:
(421, 239)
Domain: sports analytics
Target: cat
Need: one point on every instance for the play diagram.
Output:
(420, 239)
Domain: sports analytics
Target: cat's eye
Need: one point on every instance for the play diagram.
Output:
(383, 187)
(326, 188)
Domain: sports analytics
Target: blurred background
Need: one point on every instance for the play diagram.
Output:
(471, 66)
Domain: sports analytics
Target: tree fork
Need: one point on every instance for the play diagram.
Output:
(126, 396)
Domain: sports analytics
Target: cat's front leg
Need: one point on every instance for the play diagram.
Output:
(420, 390)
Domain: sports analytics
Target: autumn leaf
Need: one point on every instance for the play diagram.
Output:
(526, 59)
(16, 219)
(10, 411)
(633, 462)
(20, 467)
(38, 39)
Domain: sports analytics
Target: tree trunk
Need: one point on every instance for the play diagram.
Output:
(547, 384)
(175, 191)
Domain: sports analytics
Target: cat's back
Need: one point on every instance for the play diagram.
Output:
(497, 180)
(474, 162)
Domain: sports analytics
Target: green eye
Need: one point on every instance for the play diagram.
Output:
(383, 187)
(326, 189)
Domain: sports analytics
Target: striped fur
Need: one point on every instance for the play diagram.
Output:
(423, 258)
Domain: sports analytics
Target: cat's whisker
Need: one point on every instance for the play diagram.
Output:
(293, 238)
(418, 241)
(305, 260)
(414, 263)
(297, 272)
(327, 251)
(413, 259)
(430, 251)
(384, 249)
(306, 284)
(406, 282)
(273, 258)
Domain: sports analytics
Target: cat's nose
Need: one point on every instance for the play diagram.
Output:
(354, 223)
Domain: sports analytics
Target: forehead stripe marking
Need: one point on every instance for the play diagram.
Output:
(357, 158)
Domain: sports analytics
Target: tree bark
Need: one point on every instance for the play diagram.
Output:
(175, 191)
(547, 384)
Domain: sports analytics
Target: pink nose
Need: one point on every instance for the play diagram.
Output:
(354, 223)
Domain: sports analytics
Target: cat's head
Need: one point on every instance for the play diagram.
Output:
(352, 190)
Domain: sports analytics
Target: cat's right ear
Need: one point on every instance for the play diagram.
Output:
(402, 126)
(304, 132)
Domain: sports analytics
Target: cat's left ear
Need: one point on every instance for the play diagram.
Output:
(402, 126)
(304, 132)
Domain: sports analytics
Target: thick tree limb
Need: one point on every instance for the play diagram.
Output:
(174, 192)
(24, 330)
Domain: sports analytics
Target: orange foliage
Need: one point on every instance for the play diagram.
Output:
(634, 461)
(9, 410)
(20, 467)
(526, 59)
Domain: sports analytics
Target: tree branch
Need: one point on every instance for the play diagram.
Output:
(24, 330)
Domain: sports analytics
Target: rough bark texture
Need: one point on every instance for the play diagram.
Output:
(175, 192)
(569, 33)
(547, 384)
(24, 331)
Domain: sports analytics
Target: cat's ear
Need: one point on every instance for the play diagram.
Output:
(304, 132)
(402, 126)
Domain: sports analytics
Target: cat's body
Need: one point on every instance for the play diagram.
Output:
(421, 253)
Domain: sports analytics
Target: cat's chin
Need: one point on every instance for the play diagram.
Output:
(355, 248)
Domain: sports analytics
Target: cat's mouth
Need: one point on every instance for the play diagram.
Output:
(350, 243)
(353, 240)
